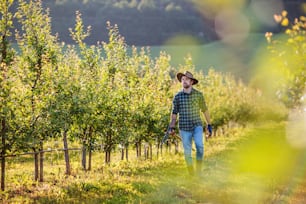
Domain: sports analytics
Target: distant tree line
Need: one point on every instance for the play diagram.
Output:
(142, 22)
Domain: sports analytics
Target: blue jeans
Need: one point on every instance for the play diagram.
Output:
(197, 135)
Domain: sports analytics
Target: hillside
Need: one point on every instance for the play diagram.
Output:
(148, 22)
(217, 55)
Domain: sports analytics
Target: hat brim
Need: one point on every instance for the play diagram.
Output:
(180, 75)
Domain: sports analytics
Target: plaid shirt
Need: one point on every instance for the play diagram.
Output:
(189, 107)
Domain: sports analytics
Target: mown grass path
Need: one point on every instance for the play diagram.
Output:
(256, 166)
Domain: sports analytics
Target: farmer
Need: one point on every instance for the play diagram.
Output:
(188, 104)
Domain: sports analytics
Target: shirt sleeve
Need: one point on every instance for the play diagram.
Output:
(203, 105)
(175, 105)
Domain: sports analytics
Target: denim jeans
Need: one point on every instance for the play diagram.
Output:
(197, 136)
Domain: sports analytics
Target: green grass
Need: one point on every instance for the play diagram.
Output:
(252, 165)
(237, 60)
(258, 166)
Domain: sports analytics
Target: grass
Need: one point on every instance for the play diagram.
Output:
(258, 166)
(252, 165)
(237, 60)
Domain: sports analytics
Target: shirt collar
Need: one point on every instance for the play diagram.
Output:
(192, 90)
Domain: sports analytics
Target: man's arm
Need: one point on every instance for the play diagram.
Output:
(207, 117)
(173, 120)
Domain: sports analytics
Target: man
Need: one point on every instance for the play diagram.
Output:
(188, 104)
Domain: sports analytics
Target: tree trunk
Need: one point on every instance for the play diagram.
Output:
(36, 165)
(146, 150)
(68, 170)
(139, 146)
(158, 148)
(122, 154)
(108, 147)
(161, 149)
(2, 171)
(127, 153)
(41, 164)
(89, 158)
(151, 151)
(136, 147)
(90, 148)
(84, 157)
(3, 152)
(107, 156)
(4, 72)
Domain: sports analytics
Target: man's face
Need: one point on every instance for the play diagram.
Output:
(186, 82)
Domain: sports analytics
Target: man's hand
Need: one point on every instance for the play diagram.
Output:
(171, 130)
(209, 128)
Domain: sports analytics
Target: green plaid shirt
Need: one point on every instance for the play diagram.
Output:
(189, 107)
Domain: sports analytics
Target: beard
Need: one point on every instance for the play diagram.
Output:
(186, 86)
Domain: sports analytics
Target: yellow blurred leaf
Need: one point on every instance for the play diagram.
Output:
(284, 13)
(296, 27)
(303, 18)
(288, 31)
(285, 22)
